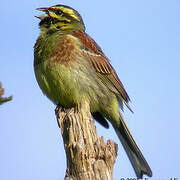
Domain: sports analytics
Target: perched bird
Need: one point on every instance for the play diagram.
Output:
(70, 67)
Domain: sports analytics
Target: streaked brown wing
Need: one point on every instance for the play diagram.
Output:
(100, 62)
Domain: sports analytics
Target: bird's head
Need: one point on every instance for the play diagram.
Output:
(60, 18)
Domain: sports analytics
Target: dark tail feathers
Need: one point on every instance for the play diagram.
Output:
(135, 156)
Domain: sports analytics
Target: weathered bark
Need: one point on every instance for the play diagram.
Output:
(3, 100)
(88, 157)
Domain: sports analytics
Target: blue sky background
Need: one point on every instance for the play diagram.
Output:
(142, 40)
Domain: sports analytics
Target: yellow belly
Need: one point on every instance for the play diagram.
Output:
(58, 83)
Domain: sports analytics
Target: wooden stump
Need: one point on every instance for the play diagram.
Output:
(88, 157)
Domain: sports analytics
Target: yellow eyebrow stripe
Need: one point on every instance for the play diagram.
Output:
(68, 11)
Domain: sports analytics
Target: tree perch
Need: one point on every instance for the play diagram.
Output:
(3, 100)
(88, 157)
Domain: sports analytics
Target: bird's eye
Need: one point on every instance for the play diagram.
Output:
(58, 12)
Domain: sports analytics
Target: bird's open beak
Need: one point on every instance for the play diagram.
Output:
(43, 15)
(42, 9)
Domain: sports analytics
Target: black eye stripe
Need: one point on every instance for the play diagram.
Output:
(58, 12)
